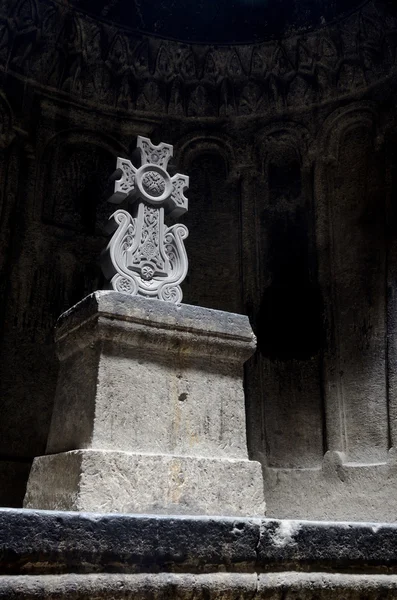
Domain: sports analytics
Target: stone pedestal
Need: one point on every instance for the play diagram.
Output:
(149, 412)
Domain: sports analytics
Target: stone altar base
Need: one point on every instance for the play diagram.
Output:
(88, 480)
(149, 412)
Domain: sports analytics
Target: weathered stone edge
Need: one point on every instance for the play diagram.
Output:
(155, 314)
(181, 586)
(44, 542)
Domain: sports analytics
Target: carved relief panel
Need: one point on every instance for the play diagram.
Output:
(284, 379)
(77, 175)
(352, 241)
(213, 222)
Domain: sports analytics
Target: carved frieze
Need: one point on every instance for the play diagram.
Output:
(66, 50)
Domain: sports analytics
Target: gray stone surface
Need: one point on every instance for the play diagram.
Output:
(97, 480)
(150, 398)
(141, 375)
(342, 490)
(158, 378)
(61, 542)
(83, 556)
(230, 586)
(182, 586)
(44, 542)
(290, 143)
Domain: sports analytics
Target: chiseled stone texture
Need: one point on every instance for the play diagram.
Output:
(345, 491)
(149, 414)
(220, 586)
(82, 556)
(141, 239)
(293, 235)
(100, 480)
(145, 376)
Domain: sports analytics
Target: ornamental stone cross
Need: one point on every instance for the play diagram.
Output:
(145, 257)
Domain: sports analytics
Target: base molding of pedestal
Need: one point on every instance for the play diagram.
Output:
(109, 481)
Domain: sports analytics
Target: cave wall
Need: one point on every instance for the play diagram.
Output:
(290, 147)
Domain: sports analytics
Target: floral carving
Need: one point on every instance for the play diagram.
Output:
(144, 256)
(153, 183)
(55, 47)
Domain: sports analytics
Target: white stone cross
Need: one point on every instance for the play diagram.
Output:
(145, 257)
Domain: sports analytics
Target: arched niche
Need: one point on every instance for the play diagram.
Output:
(284, 392)
(350, 196)
(213, 221)
(75, 169)
(71, 203)
(54, 265)
(291, 310)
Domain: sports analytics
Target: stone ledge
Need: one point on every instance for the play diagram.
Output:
(45, 542)
(277, 586)
(137, 587)
(162, 328)
(122, 482)
(156, 314)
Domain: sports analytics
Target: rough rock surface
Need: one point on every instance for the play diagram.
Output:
(105, 481)
(81, 556)
(290, 144)
(149, 414)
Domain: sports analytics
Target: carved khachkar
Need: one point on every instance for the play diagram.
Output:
(144, 256)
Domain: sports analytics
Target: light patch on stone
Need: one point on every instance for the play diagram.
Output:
(284, 535)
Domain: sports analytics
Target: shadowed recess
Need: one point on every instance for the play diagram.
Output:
(224, 21)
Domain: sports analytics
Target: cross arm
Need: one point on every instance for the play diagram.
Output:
(124, 177)
(178, 203)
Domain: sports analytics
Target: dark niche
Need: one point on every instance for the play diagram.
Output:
(289, 324)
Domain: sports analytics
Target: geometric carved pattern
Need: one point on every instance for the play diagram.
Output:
(182, 79)
(145, 257)
(75, 181)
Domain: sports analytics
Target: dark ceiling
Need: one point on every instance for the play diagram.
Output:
(218, 21)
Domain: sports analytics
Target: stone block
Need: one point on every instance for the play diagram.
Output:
(81, 556)
(99, 480)
(149, 412)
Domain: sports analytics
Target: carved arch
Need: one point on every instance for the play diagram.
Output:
(189, 148)
(214, 210)
(189, 65)
(164, 63)
(26, 10)
(284, 302)
(352, 256)
(289, 133)
(140, 59)
(211, 67)
(258, 66)
(118, 72)
(338, 123)
(285, 200)
(119, 46)
(73, 168)
(234, 66)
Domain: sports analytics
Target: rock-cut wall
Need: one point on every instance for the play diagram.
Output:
(290, 147)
